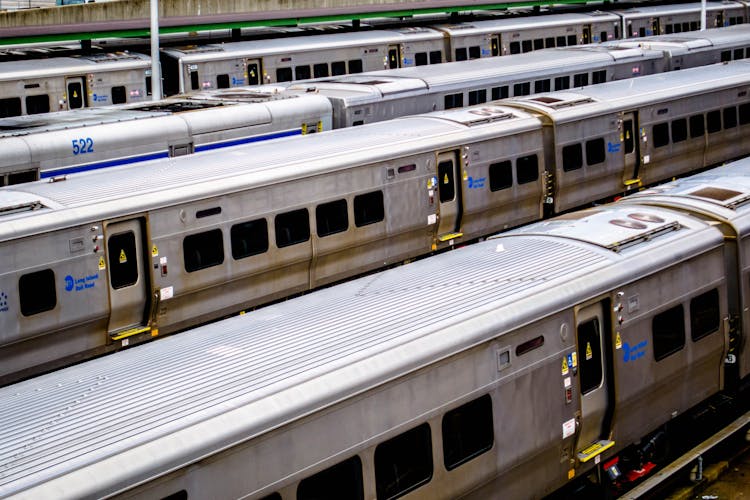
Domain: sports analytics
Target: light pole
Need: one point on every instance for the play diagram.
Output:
(155, 66)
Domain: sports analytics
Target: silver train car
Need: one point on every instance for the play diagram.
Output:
(100, 261)
(30, 87)
(217, 66)
(40, 147)
(508, 368)
(59, 144)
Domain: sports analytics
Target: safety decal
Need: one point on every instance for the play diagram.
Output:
(446, 180)
(618, 341)
(574, 357)
(123, 257)
(154, 251)
(78, 284)
(565, 369)
(569, 428)
(3, 302)
(589, 352)
(102, 264)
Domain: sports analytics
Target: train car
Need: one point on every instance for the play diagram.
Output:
(59, 144)
(202, 67)
(47, 147)
(508, 368)
(30, 87)
(109, 259)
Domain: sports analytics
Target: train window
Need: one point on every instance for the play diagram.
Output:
(693, 25)
(477, 96)
(420, 59)
(36, 292)
(467, 432)
(679, 130)
(515, 47)
(562, 82)
(338, 68)
(179, 495)
(203, 250)
(713, 121)
(368, 208)
(572, 40)
(249, 238)
(590, 355)
(447, 186)
(739, 54)
(744, 114)
(222, 81)
(283, 74)
(119, 95)
(538, 44)
(320, 70)
(661, 134)
(686, 26)
(343, 480)
(454, 101)
(668, 330)
(403, 463)
(10, 107)
(355, 66)
(194, 83)
(549, 42)
(530, 345)
(527, 169)
(581, 80)
(603, 37)
(642, 31)
(522, 89)
(461, 54)
(526, 46)
(747, 52)
(730, 117)
(501, 175)
(36, 104)
(123, 260)
(331, 218)
(572, 156)
(627, 128)
(726, 56)
(542, 85)
(697, 126)
(669, 29)
(704, 314)
(292, 228)
(560, 41)
(599, 76)
(302, 72)
(500, 92)
(149, 90)
(474, 52)
(436, 57)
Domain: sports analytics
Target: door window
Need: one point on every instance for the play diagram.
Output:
(123, 260)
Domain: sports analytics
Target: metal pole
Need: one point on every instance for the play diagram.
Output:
(703, 15)
(155, 66)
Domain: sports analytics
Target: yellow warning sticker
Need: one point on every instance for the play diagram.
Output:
(123, 257)
(445, 179)
(589, 352)
(575, 359)
(154, 251)
(565, 366)
(618, 341)
(102, 265)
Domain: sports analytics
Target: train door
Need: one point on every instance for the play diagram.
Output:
(75, 88)
(655, 26)
(394, 56)
(449, 195)
(592, 335)
(495, 45)
(719, 23)
(630, 146)
(254, 72)
(587, 34)
(129, 289)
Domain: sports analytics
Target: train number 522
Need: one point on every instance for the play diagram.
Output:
(83, 145)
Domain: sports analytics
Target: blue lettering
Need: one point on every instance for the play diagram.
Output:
(635, 352)
(3, 302)
(613, 148)
(476, 183)
(68, 283)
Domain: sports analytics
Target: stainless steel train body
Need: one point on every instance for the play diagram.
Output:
(42, 147)
(650, 20)
(502, 369)
(112, 258)
(90, 139)
(202, 67)
(31, 86)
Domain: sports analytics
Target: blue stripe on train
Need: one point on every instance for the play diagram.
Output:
(165, 154)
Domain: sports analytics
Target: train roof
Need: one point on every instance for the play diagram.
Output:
(530, 22)
(166, 404)
(721, 193)
(690, 40)
(161, 183)
(665, 10)
(57, 66)
(634, 92)
(297, 45)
